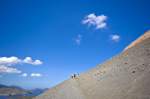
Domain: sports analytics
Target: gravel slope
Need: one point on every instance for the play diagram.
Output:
(125, 76)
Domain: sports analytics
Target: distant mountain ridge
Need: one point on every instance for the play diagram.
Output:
(3, 86)
(15, 92)
(11, 90)
(37, 91)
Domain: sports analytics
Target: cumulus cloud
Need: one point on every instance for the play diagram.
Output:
(115, 37)
(78, 39)
(6, 69)
(36, 75)
(24, 75)
(15, 60)
(29, 60)
(93, 20)
(7, 62)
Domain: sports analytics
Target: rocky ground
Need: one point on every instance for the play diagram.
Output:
(125, 76)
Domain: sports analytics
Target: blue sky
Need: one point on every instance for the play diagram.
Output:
(44, 41)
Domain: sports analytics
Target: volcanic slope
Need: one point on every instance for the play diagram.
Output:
(125, 76)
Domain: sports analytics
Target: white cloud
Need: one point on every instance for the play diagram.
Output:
(6, 62)
(78, 39)
(15, 60)
(36, 75)
(29, 60)
(24, 75)
(9, 60)
(32, 75)
(98, 21)
(6, 69)
(115, 37)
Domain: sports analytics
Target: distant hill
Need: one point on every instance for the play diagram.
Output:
(37, 91)
(125, 76)
(15, 92)
(16, 97)
(11, 90)
(3, 86)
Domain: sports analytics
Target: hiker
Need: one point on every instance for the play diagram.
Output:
(74, 75)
